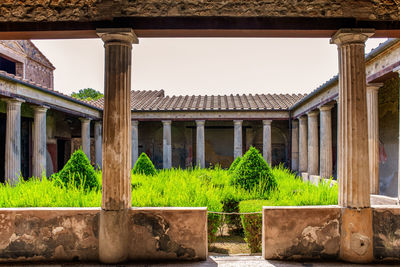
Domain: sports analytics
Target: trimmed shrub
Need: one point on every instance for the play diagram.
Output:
(144, 166)
(213, 222)
(252, 170)
(230, 203)
(252, 223)
(234, 164)
(78, 172)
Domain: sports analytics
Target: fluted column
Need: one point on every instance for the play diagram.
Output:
(353, 162)
(13, 141)
(135, 141)
(397, 69)
(200, 147)
(39, 146)
(267, 141)
(325, 157)
(303, 144)
(116, 187)
(167, 147)
(237, 139)
(98, 143)
(295, 145)
(313, 165)
(85, 133)
(373, 136)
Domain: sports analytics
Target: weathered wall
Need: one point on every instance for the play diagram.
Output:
(86, 10)
(294, 233)
(71, 234)
(386, 227)
(388, 99)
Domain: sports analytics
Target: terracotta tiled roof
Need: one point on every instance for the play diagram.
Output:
(156, 101)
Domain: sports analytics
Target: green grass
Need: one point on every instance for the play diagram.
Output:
(173, 188)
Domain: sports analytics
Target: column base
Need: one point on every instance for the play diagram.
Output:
(113, 236)
(356, 237)
(314, 179)
(304, 175)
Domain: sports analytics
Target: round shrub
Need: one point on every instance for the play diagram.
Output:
(144, 166)
(78, 172)
(253, 169)
(234, 164)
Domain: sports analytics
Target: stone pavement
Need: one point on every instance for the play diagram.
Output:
(214, 261)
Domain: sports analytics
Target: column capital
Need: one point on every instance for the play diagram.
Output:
(85, 120)
(238, 122)
(302, 118)
(313, 113)
(40, 109)
(295, 121)
(117, 36)
(351, 36)
(13, 101)
(200, 122)
(374, 86)
(166, 122)
(267, 122)
(135, 122)
(326, 107)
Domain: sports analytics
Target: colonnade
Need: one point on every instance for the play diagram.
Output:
(200, 141)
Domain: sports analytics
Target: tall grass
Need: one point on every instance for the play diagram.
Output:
(171, 188)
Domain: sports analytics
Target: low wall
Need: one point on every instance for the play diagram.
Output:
(294, 233)
(313, 233)
(71, 234)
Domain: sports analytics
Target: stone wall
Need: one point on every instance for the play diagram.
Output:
(71, 234)
(38, 10)
(388, 101)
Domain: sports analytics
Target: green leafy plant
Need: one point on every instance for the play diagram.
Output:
(252, 224)
(87, 94)
(234, 164)
(78, 172)
(253, 169)
(144, 166)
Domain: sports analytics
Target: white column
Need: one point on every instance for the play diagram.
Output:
(237, 139)
(397, 69)
(85, 136)
(167, 147)
(39, 145)
(135, 141)
(326, 164)
(13, 141)
(303, 144)
(267, 141)
(295, 145)
(373, 136)
(98, 143)
(200, 147)
(313, 151)
(356, 239)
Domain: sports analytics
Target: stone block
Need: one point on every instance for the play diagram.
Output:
(301, 233)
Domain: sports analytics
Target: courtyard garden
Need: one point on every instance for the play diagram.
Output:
(249, 184)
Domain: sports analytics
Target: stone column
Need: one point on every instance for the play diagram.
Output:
(267, 142)
(39, 145)
(325, 157)
(397, 69)
(116, 189)
(303, 144)
(295, 145)
(353, 162)
(13, 141)
(98, 143)
(373, 136)
(167, 147)
(135, 141)
(200, 148)
(237, 139)
(313, 165)
(85, 130)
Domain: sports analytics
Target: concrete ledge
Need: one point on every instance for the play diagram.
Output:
(71, 234)
(386, 229)
(300, 233)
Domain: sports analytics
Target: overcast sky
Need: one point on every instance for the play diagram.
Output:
(202, 66)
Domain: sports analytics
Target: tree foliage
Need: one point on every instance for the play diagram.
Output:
(87, 94)
(144, 166)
